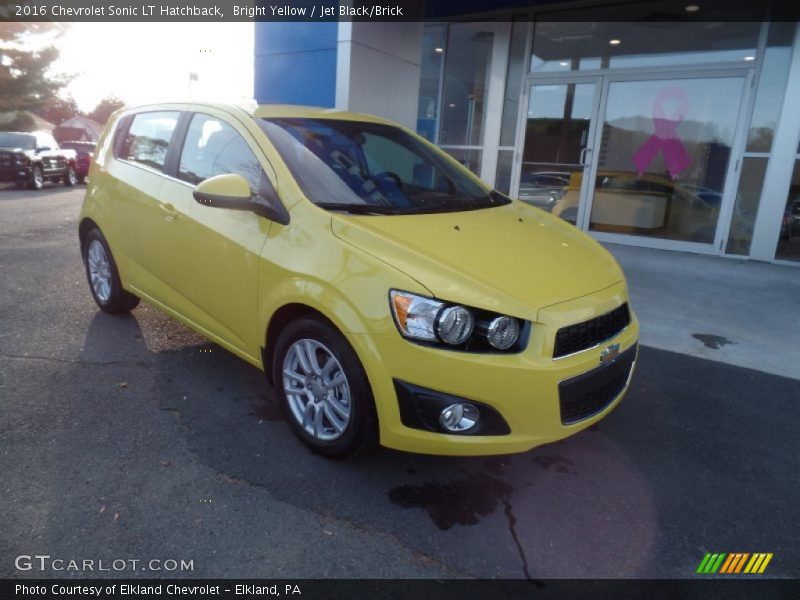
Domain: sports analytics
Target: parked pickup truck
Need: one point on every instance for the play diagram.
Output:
(32, 158)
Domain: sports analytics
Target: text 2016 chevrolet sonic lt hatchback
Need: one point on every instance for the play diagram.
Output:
(388, 293)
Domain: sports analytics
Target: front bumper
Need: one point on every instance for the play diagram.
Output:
(523, 388)
(15, 174)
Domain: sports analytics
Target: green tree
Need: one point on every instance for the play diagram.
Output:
(104, 109)
(25, 83)
(57, 109)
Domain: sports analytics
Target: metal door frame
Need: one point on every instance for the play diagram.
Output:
(602, 83)
(522, 117)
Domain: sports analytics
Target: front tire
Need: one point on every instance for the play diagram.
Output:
(323, 389)
(103, 276)
(36, 181)
(70, 177)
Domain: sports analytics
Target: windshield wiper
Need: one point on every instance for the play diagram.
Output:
(360, 209)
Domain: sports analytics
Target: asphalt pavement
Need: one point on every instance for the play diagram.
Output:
(131, 437)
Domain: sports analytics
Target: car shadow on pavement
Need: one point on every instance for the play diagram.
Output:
(605, 497)
(229, 418)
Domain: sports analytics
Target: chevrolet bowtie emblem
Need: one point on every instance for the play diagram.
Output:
(610, 354)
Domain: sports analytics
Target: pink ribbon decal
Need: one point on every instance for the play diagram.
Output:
(665, 138)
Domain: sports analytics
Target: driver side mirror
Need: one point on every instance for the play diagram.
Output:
(232, 191)
(43, 149)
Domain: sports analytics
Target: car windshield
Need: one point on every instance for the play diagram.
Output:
(372, 168)
(17, 140)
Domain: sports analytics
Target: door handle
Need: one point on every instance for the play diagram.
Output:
(168, 212)
(582, 157)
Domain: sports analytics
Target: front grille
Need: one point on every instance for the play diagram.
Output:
(589, 334)
(590, 393)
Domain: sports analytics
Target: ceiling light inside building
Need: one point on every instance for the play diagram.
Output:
(564, 63)
(614, 42)
(692, 8)
(749, 58)
(439, 50)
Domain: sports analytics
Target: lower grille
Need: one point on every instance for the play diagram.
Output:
(588, 334)
(585, 395)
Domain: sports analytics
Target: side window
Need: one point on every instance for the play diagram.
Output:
(213, 147)
(148, 138)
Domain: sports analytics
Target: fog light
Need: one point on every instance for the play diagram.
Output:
(459, 417)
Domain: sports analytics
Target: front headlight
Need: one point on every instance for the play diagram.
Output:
(415, 315)
(433, 321)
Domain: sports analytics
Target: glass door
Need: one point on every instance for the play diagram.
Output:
(554, 156)
(663, 160)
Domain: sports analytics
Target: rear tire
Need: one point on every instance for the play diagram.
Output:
(103, 276)
(70, 177)
(324, 392)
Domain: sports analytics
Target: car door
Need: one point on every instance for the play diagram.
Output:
(144, 227)
(221, 248)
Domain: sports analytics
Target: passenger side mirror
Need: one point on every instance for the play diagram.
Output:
(43, 149)
(232, 191)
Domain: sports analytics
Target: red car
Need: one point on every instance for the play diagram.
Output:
(85, 151)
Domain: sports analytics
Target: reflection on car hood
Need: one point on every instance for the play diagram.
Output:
(513, 259)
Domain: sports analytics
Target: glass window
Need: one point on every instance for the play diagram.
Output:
(516, 65)
(433, 42)
(505, 162)
(17, 140)
(213, 147)
(372, 168)
(578, 46)
(771, 86)
(745, 208)
(664, 156)
(789, 240)
(148, 138)
(556, 133)
(466, 76)
(469, 157)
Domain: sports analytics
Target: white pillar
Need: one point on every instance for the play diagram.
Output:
(378, 69)
(781, 164)
(494, 100)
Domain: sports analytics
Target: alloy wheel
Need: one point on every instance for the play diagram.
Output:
(99, 270)
(317, 390)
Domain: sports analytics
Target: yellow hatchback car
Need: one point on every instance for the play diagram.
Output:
(389, 295)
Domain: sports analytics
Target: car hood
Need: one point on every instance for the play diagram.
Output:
(514, 259)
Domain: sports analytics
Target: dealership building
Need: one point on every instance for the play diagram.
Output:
(653, 124)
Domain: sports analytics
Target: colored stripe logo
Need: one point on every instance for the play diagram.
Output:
(734, 563)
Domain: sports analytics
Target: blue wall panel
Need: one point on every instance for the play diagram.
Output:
(295, 63)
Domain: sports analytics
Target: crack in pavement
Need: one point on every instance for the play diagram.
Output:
(512, 528)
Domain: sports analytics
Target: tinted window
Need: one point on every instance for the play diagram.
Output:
(371, 167)
(213, 147)
(148, 138)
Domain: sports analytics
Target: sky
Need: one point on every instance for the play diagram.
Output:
(152, 62)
